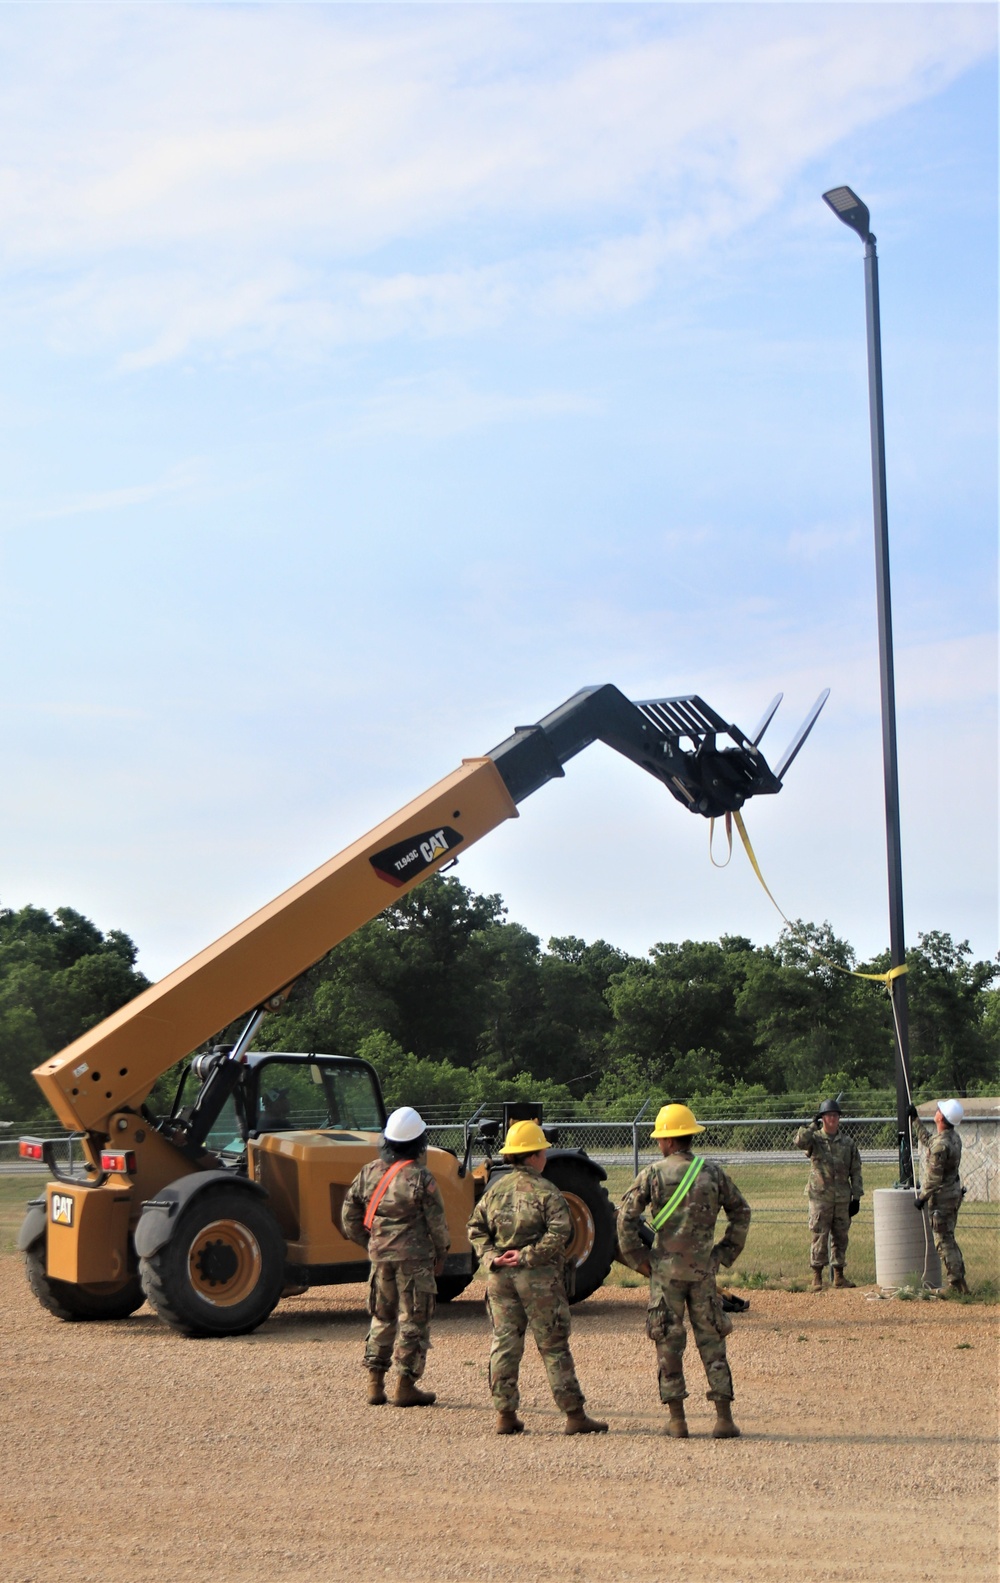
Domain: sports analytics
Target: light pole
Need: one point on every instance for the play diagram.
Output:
(847, 206)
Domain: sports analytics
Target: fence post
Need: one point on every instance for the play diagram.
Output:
(635, 1133)
(467, 1124)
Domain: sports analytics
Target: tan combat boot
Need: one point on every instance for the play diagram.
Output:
(724, 1428)
(407, 1394)
(677, 1427)
(817, 1283)
(579, 1424)
(509, 1424)
(376, 1388)
(840, 1279)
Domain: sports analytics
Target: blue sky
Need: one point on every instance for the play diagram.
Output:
(374, 377)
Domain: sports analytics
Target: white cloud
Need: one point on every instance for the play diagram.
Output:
(105, 500)
(178, 179)
(440, 405)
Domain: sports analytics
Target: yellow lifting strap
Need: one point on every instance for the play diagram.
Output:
(878, 978)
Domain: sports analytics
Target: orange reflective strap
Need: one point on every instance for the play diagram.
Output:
(385, 1182)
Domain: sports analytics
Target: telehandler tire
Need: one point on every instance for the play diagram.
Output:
(223, 1269)
(593, 1244)
(104, 1300)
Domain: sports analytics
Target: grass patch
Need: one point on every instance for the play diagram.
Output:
(753, 1280)
(15, 1191)
(987, 1292)
(778, 1244)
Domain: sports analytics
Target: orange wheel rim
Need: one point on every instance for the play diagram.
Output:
(224, 1263)
(584, 1230)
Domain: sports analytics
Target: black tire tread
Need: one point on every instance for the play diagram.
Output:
(163, 1290)
(69, 1302)
(594, 1272)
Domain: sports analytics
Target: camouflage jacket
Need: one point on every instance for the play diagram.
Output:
(410, 1222)
(940, 1185)
(836, 1165)
(522, 1209)
(684, 1248)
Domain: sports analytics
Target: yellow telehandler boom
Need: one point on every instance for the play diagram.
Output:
(213, 1239)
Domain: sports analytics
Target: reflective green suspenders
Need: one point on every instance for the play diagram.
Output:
(680, 1193)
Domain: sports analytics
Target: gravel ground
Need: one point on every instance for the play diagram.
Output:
(869, 1451)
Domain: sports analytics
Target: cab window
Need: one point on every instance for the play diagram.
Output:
(301, 1095)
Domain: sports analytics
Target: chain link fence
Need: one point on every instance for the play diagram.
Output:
(758, 1152)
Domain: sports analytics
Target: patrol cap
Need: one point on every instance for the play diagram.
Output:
(404, 1125)
(524, 1137)
(951, 1110)
(675, 1121)
(830, 1107)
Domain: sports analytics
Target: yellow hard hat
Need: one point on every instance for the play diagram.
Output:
(675, 1121)
(524, 1137)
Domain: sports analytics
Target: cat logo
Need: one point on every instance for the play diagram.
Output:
(434, 844)
(403, 861)
(62, 1209)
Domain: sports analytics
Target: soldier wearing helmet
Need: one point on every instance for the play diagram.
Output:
(684, 1195)
(835, 1190)
(393, 1208)
(520, 1230)
(941, 1189)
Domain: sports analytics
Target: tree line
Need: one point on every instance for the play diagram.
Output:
(457, 1006)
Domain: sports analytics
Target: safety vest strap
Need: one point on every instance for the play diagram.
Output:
(384, 1183)
(680, 1193)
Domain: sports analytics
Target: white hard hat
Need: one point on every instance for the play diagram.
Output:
(951, 1110)
(404, 1125)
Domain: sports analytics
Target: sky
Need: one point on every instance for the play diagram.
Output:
(374, 377)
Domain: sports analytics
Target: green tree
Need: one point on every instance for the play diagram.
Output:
(953, 1025)
(59, 976)
(678, 1015)
(417, 972)
(447, 977)
(810, 1019)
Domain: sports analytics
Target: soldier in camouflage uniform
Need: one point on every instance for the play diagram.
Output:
(682, 1262)
(520, 1230)
(941, 1190)
(393, 1208)
(835, 1190)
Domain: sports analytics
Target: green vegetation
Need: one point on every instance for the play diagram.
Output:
(456, 1006)
(59, 975)
(15, 1192)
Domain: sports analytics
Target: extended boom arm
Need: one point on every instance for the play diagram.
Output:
(114, 1066)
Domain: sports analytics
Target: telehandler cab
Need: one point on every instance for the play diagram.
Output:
(232, 1200)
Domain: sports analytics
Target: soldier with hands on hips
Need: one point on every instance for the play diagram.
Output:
(684, 1195)
(941, 1189)
(520, 1230)
(394, 1209)
(835, 1190)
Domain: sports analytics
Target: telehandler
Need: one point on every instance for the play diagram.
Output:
(232, 1200)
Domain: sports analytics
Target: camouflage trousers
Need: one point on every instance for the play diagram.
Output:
(830, 1225)
(943, 1219)
(401, 1300)
(516, 1299)
(709, 1326)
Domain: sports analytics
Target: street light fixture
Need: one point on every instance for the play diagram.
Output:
(848, 207)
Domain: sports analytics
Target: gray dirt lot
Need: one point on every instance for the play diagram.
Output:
(869, 1452)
